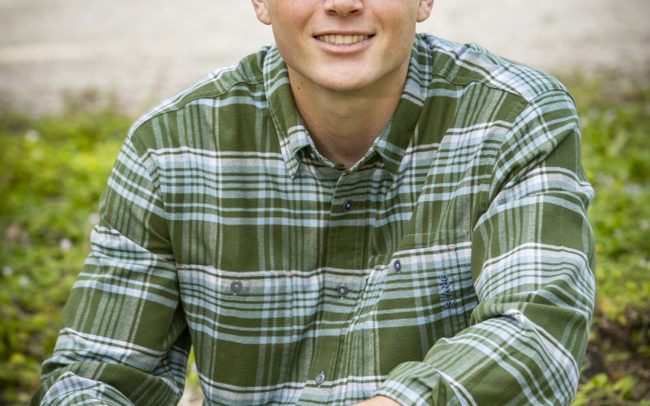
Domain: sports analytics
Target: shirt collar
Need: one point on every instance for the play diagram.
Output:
(394, 140)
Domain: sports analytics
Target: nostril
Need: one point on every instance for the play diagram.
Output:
(343, 8)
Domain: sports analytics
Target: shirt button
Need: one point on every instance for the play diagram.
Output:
(347, 206)
(320, 378)
(397, 265)
(236, 287)
(342, 290)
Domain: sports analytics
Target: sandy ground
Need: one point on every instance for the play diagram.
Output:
(143, 50)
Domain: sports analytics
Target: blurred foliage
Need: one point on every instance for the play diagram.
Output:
(600, 391)
(615, 116)
(615, 123)
(53, 170)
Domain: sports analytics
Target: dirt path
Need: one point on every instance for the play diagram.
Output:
(143, 50)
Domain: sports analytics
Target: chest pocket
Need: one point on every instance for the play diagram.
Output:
(438, 278)
(427, 294)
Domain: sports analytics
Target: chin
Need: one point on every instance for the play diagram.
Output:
(343, 87)
(346, 83)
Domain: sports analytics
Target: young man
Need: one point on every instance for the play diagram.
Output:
(359, 214)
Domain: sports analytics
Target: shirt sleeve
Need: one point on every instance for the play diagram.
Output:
(532, 266)
(124, 338)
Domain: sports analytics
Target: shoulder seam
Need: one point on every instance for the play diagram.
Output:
(172, 106)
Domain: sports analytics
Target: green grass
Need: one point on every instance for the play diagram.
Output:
(615, 122)
(53, 171)
(54, 168)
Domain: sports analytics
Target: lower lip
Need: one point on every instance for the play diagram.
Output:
(343, 49)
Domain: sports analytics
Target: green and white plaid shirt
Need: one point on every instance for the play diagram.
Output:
(451, 265)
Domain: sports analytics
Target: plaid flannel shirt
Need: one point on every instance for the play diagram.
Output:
(451, 265)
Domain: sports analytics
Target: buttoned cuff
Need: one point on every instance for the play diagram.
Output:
(75, 390)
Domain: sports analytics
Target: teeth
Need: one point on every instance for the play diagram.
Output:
(343, 39)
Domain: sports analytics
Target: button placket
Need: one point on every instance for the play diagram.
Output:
(320, 378)
(342, 290)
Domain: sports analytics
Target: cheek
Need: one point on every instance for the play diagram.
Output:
(402, 34)
(289, 28)
(290, 14)
(399, 21)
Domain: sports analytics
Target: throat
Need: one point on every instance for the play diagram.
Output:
(344, 140)
(345, 124)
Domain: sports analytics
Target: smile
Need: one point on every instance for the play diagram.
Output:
(337, 39)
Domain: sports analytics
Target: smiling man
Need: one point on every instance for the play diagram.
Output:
(358, 214)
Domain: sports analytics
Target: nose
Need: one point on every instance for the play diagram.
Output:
(343, 8)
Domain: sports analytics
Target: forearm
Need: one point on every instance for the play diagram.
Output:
(532, 265)
(503, 359)
(108, 351)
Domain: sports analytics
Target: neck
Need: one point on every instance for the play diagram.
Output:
(344, 125)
